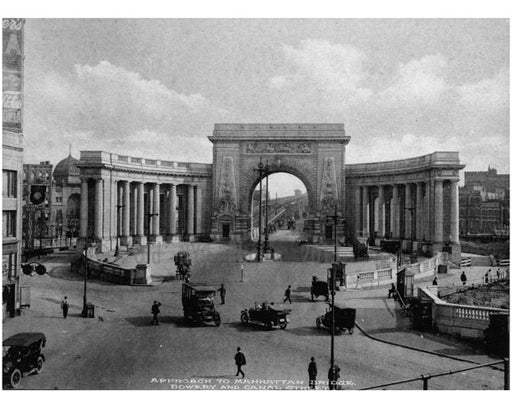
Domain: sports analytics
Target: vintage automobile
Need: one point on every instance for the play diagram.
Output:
(183, 264)
(22, 356)
(198, 304)
(269, 315)
(344, 320)
(319, 288)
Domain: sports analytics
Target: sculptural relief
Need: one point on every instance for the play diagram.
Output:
(227, 202)
(329, 189)
(280, 147)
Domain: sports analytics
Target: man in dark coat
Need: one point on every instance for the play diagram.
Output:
(463, 278)
(312, 371)
(155, 310)
(65, 307)
(222, 291)
(239, 361)
(333, 377)
(287, 294)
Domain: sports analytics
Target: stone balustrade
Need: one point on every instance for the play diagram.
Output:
(459, 320)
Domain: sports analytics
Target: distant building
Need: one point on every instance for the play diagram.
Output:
(37, 191)
(51, 203)
(484, 203)
(12, 161)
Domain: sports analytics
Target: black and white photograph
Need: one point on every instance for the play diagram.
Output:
(255, 203)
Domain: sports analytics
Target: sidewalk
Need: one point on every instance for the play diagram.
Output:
(382, 319)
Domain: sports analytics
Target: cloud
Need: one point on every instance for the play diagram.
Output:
(336, 69)
(106, 107)
(419, 80)
(488, 96)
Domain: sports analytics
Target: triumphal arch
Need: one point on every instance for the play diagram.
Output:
(314, 153)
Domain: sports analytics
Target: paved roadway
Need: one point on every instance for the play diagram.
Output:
(119, 349)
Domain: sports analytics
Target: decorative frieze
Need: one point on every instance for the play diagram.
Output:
(278, 147)
(329, 189)
(227, 199)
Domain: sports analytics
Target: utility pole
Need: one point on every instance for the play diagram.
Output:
(260, 169)
(333, 292)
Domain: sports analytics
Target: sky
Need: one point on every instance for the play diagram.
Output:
(155, 88)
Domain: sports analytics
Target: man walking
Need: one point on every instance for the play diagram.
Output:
(64, 305)
(463, 278)
(239, 361)
(312, 371)
(287, 294)
(222, 291)
(155, 310)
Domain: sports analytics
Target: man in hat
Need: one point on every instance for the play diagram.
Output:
(155, 310)
(312, 371)
(239, 361)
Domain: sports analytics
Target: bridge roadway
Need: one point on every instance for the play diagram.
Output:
(119, 349)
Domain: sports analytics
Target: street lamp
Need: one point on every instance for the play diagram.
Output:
(118, 207)
(265, 247)
(86, 271)
(333, 291)
(149, 244)
(260, 169)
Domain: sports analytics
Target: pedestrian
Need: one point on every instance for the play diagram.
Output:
(391, 292)
(287, 294)
(155, 310)
(498, 273)
(272, 253)
(239, 361)
(434, 282)
(333, 376)
(463, 278)
(486, 276)
(222, 291)
(312, 371)
(64, 305)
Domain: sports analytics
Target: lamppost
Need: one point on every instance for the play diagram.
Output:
(260, 169)
(149, 244)
(118, 208)
(265, 246)
(86, 270)
(333, 292)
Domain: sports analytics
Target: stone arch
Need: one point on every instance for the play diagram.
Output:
(314, 153)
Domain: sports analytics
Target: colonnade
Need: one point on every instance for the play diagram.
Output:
(420, 211)
(138, 212)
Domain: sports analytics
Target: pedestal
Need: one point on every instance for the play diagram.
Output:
(127, 241)
(141, 240)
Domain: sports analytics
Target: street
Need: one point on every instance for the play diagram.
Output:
(120, 350)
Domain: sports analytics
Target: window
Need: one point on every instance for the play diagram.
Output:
(9, 183)
(9, 224)
(58, 200)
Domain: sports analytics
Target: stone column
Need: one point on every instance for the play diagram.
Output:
(454, 212)
(190, 210)
(171, 228)
(365, 212)
(141, 238)
(84, 208)
(126, 238)
(419, 212)
(357, 211)
(427, 230)
(395, 220)
(408, 212)
(134, 204)
(156, 210)
(381, 212)
(98, 210)
(438, 212)
(198, 208)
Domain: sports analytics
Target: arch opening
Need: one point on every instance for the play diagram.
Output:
(285, 207)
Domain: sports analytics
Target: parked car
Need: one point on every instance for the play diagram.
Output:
(344, 320)
(269, 315)
(22, 356)
(198, 303)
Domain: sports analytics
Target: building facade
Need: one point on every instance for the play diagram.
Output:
(139, 200)
(12, 161)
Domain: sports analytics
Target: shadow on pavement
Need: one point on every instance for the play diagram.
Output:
(308, 331)
(251, 327)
